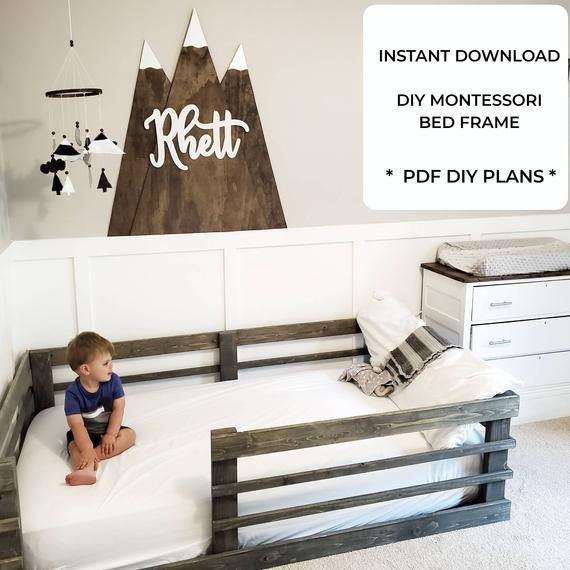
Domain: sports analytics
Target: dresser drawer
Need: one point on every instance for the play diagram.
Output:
(538, 369)
(521, 300)
(501, 340)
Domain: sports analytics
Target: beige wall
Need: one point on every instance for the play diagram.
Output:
(305, 64)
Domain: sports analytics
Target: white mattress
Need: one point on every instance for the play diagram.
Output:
(151, 505)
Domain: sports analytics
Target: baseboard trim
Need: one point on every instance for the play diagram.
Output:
(544, 403)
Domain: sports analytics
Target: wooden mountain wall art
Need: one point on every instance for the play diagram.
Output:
(151, 91)
(196, 158)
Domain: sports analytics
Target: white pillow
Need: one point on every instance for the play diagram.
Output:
(456, 436)
(385, 323)
(456, 376)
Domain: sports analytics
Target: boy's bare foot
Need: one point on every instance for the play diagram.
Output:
(81, 477)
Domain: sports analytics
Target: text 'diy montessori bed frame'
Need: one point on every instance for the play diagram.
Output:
(32, 390)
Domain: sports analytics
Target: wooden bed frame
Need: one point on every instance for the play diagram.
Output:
(32, 390)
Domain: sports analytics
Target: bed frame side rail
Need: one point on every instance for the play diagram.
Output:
(16, 410)
(228, 446)
(226, 342)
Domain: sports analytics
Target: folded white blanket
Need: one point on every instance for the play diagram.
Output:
(506, 257)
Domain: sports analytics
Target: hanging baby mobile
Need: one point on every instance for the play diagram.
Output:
(69, 102)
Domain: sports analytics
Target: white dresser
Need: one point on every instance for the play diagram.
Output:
(521, 325)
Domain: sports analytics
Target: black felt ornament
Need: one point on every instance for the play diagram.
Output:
(56, 186)
(52, 166)
(104, 183)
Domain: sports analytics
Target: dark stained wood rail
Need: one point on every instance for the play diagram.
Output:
(313, 434)
(359, 500)
(229, 445)
(148, 347)
(361, 467)
(226, 341)
(204, 341)
(368, 536)
(228, 356)
(11, 552)
(20, 427)
(297, 331)
(495, 460)
(17, 403)
(32, 390)
(42, 379)
(16, 410)
(224, 472)
(162, 375)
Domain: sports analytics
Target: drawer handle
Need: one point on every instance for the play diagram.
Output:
(502, 341)
(502, 304)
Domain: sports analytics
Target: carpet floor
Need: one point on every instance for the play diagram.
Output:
(536, 537)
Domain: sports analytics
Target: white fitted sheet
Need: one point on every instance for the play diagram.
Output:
(151, 505)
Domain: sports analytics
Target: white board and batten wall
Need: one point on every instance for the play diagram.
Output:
(127, 288)
(7, 363)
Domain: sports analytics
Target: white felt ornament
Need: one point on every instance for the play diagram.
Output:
(68, 186)
(102, 145)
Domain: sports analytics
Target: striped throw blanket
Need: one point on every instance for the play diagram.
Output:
(405, 362)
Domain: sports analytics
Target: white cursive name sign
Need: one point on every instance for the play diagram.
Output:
(180, 127)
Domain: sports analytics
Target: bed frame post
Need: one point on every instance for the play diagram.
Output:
(10, 531)
(42, 380)
(224, 472)
(497, 460)
(228, 355)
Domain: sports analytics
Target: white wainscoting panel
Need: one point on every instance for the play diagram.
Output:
(143, 296)
(563, 234)
(150, 286)
(7, 363)
(292, 284)
(43, 304)
(394, 265)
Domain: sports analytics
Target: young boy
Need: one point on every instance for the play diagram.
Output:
(94, 406)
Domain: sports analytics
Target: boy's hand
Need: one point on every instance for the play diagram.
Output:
(88, 456)
(108, 444)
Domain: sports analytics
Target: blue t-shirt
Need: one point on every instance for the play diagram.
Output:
(95, 408)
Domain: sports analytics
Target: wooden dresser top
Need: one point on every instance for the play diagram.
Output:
(468, 278)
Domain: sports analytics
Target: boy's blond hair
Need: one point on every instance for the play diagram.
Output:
(84, 347)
